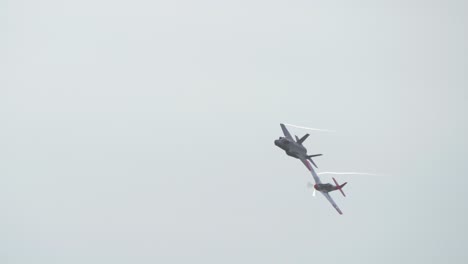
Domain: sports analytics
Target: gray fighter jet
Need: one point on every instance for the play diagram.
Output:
(295, 148)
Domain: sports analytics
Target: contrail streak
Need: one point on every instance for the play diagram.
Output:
(310, 128)
(347, 173)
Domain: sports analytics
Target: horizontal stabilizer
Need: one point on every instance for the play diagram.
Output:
(315, 165)
(340, 187)
(309, 157)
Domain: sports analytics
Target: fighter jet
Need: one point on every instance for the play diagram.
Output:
(325, 188)
(295, 148)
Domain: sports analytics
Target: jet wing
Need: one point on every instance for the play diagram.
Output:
(286, 132)
(314, 174)
(307, 164)
(332, 202)
(312, 171)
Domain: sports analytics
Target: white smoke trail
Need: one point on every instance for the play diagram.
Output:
(310, 128)
(332, 172)
(347, 173)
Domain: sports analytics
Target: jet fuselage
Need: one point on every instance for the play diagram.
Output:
(291, 148)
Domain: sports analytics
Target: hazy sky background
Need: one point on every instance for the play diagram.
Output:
(142, 131)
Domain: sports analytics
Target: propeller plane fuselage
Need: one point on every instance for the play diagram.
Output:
(325, 187)
(328, 187)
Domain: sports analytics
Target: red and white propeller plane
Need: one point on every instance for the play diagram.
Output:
(325, 188)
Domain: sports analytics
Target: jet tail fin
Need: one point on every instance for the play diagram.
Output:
(309, 157)
(340, 187)
(302, 139)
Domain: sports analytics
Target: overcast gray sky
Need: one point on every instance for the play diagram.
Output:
(142, 131)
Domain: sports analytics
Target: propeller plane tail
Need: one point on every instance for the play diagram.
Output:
(340, 187)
